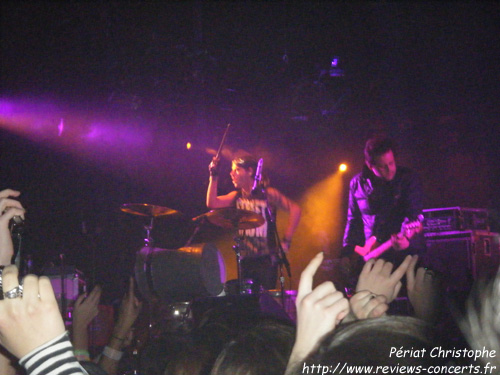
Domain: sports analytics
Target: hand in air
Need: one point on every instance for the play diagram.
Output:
(378, 278)
(213, 167)
(130, 309)
(365, 304)
(30, 320)
(423, 291)
(319, 310)
(86, 308)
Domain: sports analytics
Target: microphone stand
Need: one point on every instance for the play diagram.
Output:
(282, 259)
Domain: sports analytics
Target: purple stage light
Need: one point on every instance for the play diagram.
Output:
(60, 128)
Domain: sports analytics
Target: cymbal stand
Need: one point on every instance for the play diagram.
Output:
(282, 261)
(148, 241)
(199, 223)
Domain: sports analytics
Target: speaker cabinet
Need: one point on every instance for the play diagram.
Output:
(68, 283)
(461, 257)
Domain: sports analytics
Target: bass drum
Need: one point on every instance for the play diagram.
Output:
(181, 274)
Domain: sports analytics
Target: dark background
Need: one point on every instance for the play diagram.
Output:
(135, 81)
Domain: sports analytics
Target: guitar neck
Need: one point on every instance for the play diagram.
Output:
(378, 251)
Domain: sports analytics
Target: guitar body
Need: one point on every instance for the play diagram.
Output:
(350, 268)
(372, 249)
(369, 246)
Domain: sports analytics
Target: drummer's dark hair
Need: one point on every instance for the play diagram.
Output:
(246, 161)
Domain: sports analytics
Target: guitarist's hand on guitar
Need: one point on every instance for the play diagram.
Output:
(365, 304)
(378, 278)
(399, 242)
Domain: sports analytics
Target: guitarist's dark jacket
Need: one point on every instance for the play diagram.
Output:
(378, 208)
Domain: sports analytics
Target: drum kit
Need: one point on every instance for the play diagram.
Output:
(177, 277)
(160, 271)
(170, 280)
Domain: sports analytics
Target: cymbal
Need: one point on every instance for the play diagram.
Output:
(144, 209)
(232, 218)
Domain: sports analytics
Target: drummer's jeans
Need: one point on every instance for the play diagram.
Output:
(261, 270)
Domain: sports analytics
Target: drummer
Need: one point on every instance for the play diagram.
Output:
(259, 249)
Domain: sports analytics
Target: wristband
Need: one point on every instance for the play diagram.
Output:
(111, 353)
(82, 355)
(118, 338)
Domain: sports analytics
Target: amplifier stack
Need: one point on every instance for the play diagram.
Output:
(460, 246)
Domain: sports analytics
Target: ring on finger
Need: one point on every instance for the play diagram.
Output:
(14, 292)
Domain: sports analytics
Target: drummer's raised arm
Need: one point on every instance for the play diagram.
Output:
(221, 201)
(214, 201)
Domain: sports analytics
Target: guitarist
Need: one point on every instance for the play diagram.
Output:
(381, 197)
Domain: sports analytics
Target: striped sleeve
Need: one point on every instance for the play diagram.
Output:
(53, 358)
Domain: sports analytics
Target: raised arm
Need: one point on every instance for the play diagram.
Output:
(85, 310)
(214, 201)
(32, 328)
(378, 278)
(319, 311)
(130, 309)
(423, 291)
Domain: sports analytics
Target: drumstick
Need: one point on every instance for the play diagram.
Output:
(217, 156)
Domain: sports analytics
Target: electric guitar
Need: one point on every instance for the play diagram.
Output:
(373, 249)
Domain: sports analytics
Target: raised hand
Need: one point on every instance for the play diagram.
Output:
(130, 309)
(378, 278)
(422, 287)
(30, 320)
(319, 311)
(85, 310)
(86, 307)
(365, 304)
(213, 167)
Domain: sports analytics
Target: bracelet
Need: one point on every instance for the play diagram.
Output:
(112, 353)
(82, 355)
(1, 282)
(118, 338)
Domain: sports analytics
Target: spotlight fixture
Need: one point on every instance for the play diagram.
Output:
(335, 71)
